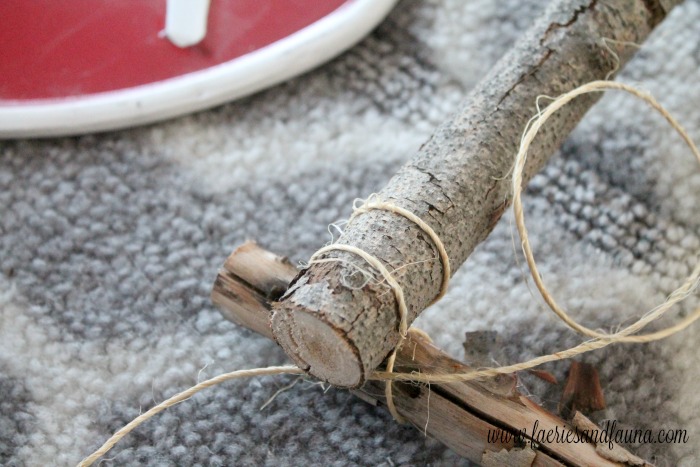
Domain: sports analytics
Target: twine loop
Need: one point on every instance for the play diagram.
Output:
(598, 340)
(374, 202)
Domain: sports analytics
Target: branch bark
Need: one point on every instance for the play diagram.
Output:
(456, 184)
(460, 415)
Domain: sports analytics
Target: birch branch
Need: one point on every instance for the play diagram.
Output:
(458, 184)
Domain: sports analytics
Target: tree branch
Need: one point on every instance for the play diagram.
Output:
(457, 184)
(477, 420)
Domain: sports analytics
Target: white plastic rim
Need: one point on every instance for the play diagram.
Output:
(277, 62)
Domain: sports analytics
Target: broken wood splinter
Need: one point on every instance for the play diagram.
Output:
(473, 418)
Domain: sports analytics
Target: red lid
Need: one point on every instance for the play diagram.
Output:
(65, 48)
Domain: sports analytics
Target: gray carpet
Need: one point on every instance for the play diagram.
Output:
(109, 245)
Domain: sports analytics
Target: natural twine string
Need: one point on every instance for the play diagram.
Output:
(598, 341)
(373, 202)
(180, 397)
(521, 159)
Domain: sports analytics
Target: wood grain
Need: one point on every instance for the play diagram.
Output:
(460, 415)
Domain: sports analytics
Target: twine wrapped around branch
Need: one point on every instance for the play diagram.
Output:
(455, 184)
(599, 340)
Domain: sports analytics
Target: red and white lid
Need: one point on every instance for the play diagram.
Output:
(80, 66)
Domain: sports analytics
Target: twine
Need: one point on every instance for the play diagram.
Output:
(182, 396)
(598, 341)
(521, 158)
(374, 202)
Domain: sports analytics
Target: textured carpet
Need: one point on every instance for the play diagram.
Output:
(109, 245)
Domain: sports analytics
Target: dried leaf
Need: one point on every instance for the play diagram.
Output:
(582, 391)
(485, 349)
